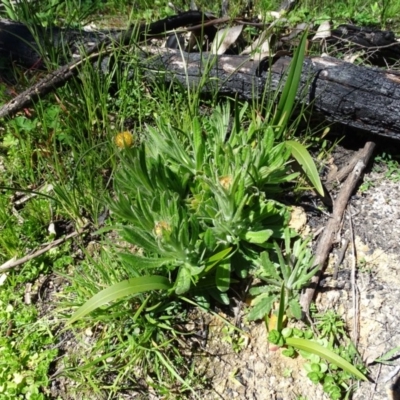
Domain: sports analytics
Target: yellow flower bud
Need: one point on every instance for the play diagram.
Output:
(226, 181)
(124, 140)
(161, 227)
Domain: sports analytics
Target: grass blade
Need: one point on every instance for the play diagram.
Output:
(119, 290)
(326, 354)
(289, 92)
(282, 307)
(303, 157)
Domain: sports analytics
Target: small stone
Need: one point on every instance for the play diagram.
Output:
(88, 332)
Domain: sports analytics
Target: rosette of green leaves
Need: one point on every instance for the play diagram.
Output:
(197, 199)
(290, 269)
(151, 199)
(189, 195)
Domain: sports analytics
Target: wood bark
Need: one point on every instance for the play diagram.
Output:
(360, 97)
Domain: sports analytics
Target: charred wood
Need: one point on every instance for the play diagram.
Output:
(360, 97)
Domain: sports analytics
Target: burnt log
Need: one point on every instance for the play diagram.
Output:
(360, 97)
(30, 46)
(378, 47)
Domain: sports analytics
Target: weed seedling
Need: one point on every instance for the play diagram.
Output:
(332, 359)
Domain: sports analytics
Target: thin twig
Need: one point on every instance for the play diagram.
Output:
(362, 46)
(353, 282)
(12, 264)
(373, 390)
(340, 257)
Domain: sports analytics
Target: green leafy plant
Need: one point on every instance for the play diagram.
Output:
(390, 166)
(387, 357)
(330, 326)
(237, 339)
(332, 365)
(366, 185)
(190, 209)
(195, 198)
(289, 271)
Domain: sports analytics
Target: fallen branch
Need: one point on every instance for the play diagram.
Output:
(49, 83)
(345, 93)
(11, 41)
(339, 176)
(328, 236)
(14, 263)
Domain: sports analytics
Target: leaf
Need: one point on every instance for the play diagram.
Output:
(216, 258)
(326, 354)
(142, 169)
(282, 308)
(262, 307)
(140, 262)
(209, 239)
(297, 30)
(385, 358)
(240, 265)
(219, 296)
(195, 270)
(183, 281)
(304, 279)
(225, 38)
(295, 309)
(323, 32)
(285, 269)
(140, 239)
(261, 44)
(122, 289)
(223, 275)
(258, 237)
(303, 157)
(288, 96)
(268, 266)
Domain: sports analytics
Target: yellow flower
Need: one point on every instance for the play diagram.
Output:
(226, 181)
(161, 227)
(124, 140)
